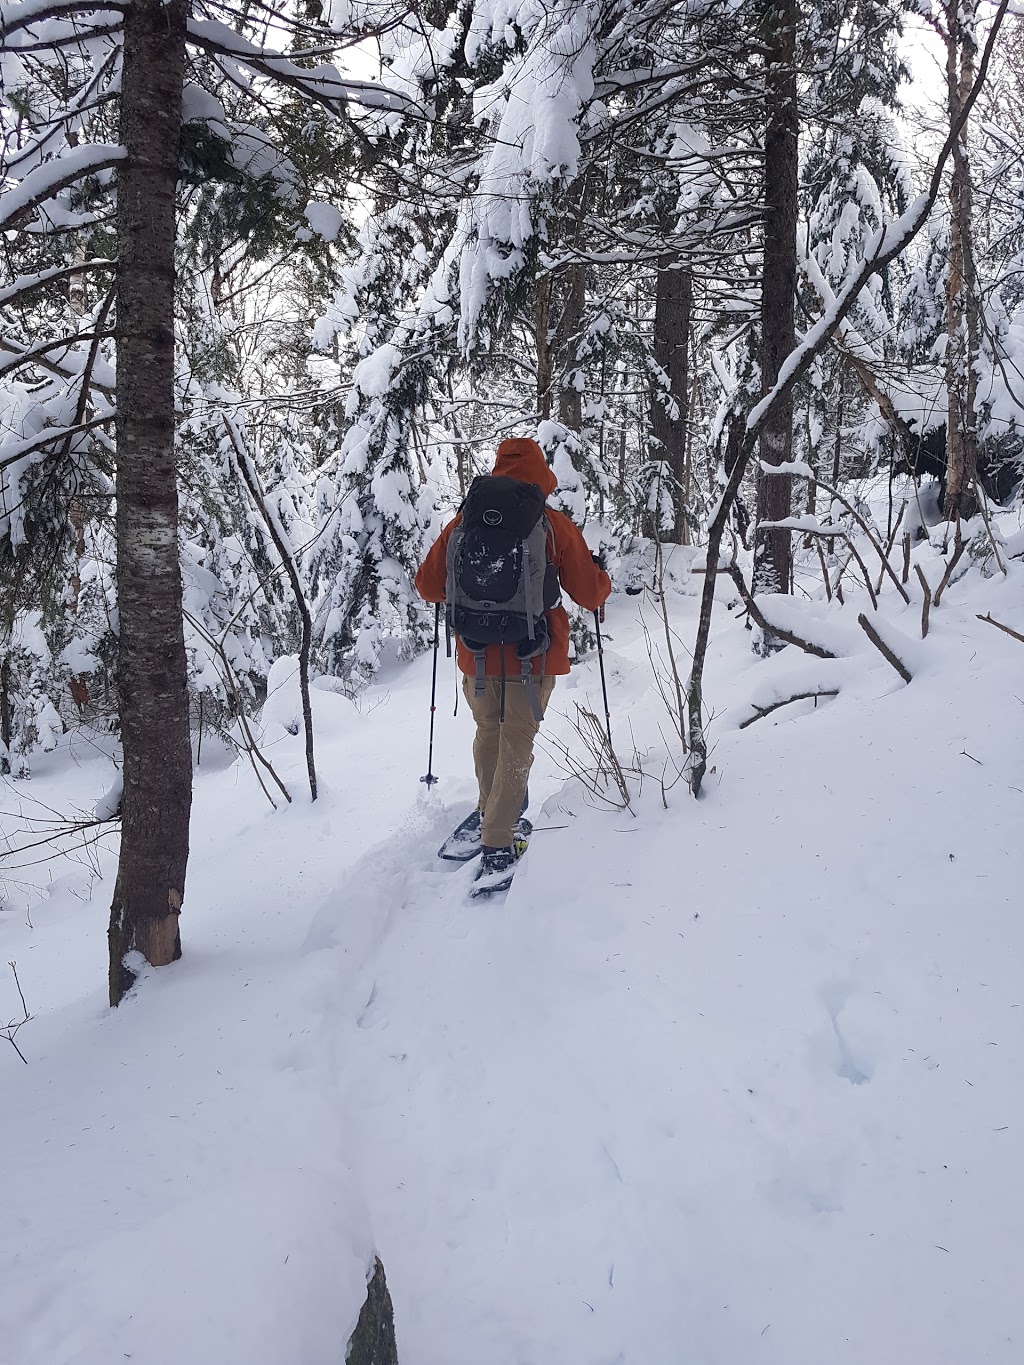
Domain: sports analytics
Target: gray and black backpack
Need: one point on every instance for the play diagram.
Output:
(500, 579)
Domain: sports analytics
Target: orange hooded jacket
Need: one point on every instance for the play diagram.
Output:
(585, 583)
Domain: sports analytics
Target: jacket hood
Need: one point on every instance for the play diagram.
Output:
(521, 458)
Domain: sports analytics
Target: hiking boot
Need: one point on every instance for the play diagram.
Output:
(497, 867)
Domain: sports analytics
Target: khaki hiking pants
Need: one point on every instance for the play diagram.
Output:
(503, 751)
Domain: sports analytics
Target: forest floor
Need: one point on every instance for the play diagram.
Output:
(720, 1082)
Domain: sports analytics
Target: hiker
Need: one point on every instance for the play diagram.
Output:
(508, 686)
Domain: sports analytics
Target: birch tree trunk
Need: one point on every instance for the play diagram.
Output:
(962, 323)
(153, 696)
(773, 552)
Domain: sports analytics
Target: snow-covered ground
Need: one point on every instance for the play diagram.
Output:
(732, 1081)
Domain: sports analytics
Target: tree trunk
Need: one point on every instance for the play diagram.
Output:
(373, 1341)
(773, 551)
(962, 324)
(673, 305)
(542, 332)
(570, 398)
(6, 712)
(153, 693)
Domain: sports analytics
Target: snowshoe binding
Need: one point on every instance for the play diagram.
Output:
(497, 868)
(463, 844)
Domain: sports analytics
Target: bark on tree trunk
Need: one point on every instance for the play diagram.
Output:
(153, 694)
(570, 399)
(542, 332)
(6, 716)
(673, 305)
(773, 552)
(962, 324)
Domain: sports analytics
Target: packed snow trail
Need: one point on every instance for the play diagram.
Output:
(736, 1081)
(729, 1082)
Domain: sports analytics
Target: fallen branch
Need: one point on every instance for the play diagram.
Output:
(999, 626)
(759, 618)
(763, 711)
(884, 649)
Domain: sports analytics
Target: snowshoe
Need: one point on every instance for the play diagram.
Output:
(497, 868)
(463, 844)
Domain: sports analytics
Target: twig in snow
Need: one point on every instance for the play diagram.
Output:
(927, 601)
(999, 626)
(884, 649)
(763, 711)
(9, 1030)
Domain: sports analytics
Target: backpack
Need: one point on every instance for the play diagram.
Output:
(500, 581)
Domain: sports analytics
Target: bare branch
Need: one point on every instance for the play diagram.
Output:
(999, 625)
(884, 649)
(736, 574)
(763, 711)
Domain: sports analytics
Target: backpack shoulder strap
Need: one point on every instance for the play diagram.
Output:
(551, 544)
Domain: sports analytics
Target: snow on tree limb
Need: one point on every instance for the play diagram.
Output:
(52, 135)
(25, 284)
(18, 17)
(53, 176)
(11, 452)
(14, 359)
(323, 83)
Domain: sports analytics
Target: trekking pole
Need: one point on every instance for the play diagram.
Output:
(604, 684)
(428, 776)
